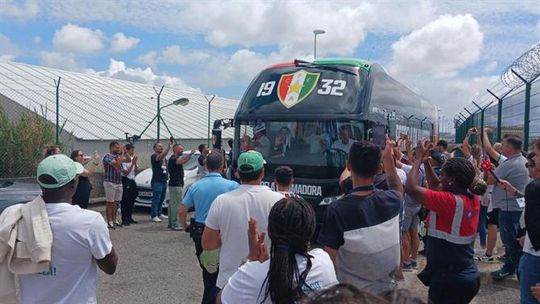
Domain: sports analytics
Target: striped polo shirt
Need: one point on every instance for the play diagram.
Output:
(110, 173)
(365, 232)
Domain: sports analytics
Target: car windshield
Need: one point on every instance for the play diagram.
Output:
(311, 148)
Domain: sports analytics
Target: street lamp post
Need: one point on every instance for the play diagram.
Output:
(209, 108)
(315, 33)
(179, 102)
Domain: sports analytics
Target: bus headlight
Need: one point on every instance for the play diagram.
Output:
(328, 200)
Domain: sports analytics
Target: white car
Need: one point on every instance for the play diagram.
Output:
(144, 178)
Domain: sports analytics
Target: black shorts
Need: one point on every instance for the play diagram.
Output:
(493, 217)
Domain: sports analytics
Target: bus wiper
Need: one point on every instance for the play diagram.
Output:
(299, 62)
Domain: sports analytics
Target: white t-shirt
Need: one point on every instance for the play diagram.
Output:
(125, 167)
(402, 176)
(338, 144)
(79, 237)
(247, 282)
(230, 213)
(528, 248)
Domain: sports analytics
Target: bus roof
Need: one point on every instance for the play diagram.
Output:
(364, 64)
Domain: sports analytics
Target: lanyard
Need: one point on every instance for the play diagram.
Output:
(362, 188)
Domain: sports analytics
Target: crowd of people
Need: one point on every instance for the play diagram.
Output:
(257, 245)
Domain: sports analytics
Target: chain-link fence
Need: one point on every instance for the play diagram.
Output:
(511, 106)
(22, 143)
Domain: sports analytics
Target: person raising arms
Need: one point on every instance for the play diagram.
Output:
(450, 272)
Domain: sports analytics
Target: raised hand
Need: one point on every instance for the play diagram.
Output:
(257, 248)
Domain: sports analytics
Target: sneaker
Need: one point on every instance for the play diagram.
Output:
(414, 264)
(479, 252)
(177, 228)
(110, 225)
(486, 258)
(132, 221)
(407, 267)
(501, 274)
(163, 216)
(156, 219)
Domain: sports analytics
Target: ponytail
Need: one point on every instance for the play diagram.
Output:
(478, 186)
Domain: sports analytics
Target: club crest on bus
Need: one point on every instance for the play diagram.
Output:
(293, 88)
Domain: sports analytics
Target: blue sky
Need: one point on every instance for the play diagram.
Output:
(449, 51)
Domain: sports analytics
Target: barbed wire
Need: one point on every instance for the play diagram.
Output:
(527, 66)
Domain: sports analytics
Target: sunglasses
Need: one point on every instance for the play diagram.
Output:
(529, 165)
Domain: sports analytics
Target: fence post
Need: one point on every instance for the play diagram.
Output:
(499, 111)
(57, 137)
(526, 119)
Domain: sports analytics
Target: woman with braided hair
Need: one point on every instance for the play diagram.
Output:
(292, 269)
(454, 208)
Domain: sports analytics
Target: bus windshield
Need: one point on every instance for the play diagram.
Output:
(311, 148)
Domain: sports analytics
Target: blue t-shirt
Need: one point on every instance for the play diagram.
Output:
(201, 194)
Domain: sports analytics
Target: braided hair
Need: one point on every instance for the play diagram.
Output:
(465, 176)
(291, 225)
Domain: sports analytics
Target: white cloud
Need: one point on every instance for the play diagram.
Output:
(440, 48)
(19, 9)
(36, 39)
(451, 94)
(121, 43)
(288, 24)
(73, 38)
(119, 70)
(8, 51)
(149, 59)
(64, 61)
(173, 55)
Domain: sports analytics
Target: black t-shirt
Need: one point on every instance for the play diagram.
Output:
(82, 194)
(532, 213)
(201, 160)
(176, 172)
(159, 169)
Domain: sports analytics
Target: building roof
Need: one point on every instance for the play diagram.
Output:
(99, 108)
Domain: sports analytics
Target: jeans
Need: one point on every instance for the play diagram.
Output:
(454, 287)
(482, 225)
(159, 189)
(529, 275)
(129, 194)
(209, 279)
(509, 228)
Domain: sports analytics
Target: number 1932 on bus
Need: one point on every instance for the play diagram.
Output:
(332, 87)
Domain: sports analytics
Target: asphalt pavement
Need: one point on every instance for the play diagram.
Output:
(157, 265)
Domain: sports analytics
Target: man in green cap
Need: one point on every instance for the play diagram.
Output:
(81, 240)
(227, 220)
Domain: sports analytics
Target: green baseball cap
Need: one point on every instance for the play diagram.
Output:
(252, 161)
(61, 168)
